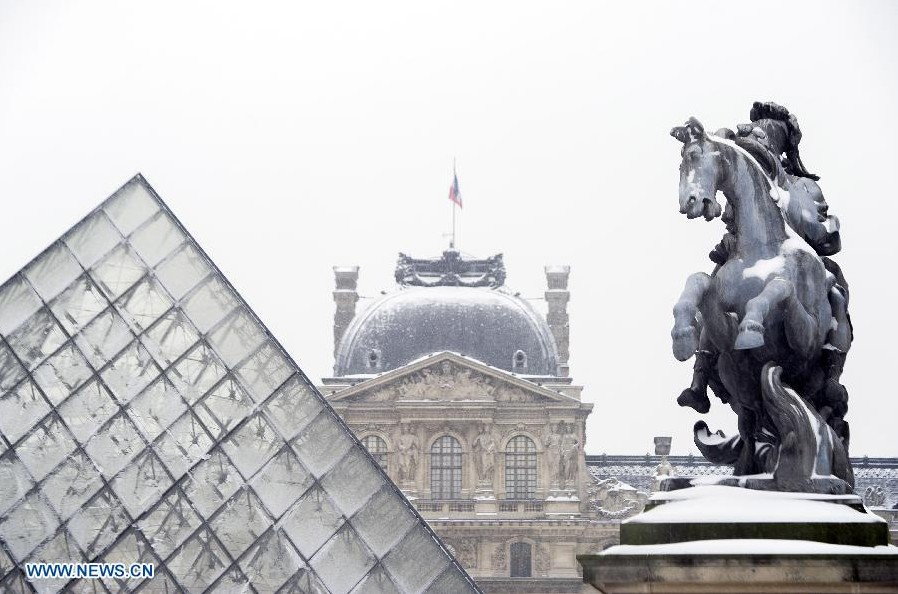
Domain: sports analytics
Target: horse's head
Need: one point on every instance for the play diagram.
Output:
(699, 171)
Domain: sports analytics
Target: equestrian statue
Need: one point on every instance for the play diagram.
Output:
(769, 327)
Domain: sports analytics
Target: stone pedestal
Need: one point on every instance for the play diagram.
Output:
(728, 539)
(562, 503)
(485, 503)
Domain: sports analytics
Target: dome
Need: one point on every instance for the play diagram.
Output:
(487, 324)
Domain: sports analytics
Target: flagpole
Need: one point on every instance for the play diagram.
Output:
(454, 206)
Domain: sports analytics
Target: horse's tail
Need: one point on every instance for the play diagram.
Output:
(717, 447)
(808, 446)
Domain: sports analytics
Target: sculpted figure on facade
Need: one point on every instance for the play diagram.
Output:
(485, 447)
(570, 457)
(407, 451)
(552, 444)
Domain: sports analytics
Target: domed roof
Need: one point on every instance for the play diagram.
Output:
(485, 323)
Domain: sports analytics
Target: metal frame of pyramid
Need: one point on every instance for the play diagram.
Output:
(147, 415)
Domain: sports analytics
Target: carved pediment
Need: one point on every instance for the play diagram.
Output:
(448, 378)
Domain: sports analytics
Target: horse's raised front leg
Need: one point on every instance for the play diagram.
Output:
(685, 332)
(751, 328)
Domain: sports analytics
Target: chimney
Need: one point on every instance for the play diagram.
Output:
(345, 296)
(557, 297)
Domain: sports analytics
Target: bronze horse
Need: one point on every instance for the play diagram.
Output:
(768, 303)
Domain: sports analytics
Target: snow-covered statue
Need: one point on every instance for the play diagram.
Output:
(769, 326)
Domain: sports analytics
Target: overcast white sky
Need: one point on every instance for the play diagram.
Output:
(291, 137)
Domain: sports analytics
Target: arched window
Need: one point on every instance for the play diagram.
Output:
(445, 468)
(377, 447)
(520, 468)
(520, 559)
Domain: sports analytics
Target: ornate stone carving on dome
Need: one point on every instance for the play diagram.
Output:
(451, 270)
(614, 500)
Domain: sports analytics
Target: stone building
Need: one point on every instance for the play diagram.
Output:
(461, 390)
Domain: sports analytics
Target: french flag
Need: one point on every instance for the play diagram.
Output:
(454, 192)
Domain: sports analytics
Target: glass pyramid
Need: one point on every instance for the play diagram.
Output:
(148, 416)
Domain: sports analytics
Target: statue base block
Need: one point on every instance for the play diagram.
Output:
(727, 539)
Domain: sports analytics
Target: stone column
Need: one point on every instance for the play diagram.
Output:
(557, 297)
(345, 296)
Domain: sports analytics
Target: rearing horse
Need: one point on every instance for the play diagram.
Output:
(767, 303)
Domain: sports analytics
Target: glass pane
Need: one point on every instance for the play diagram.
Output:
(141, 483)
(352, 481)
(131, 548)
(252, 445)
(271, 563)
(281, 483)
(212, 483)
(86, 411)
(225, 406)
(157, 239)
(71, 485)
(53, 271)
(199, 563)
(91, 239)
(384, 521)
(14, 482)
(209, 304)
(183, 271)
(27, 525)
(20, 409)
(416, 561)
(144, 304)
(62, 374)
(98, 523)
(378, 582)
(321, 444)
(312, 521)
(118, 272)
(104, 338)
(195, 374)
(47, 445)
(79, 304)
(343, 561)
(240, 522)
(264, 372)
(294, 407)
(130, 206)
(452, 580)
(170, 523)
(184, 444)
(115, 445)
(130, 373)
(170, 337)
(58, 548)
(236, 338)
(11, 372)
(156, 408)
(37, 338)
(18, 302)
